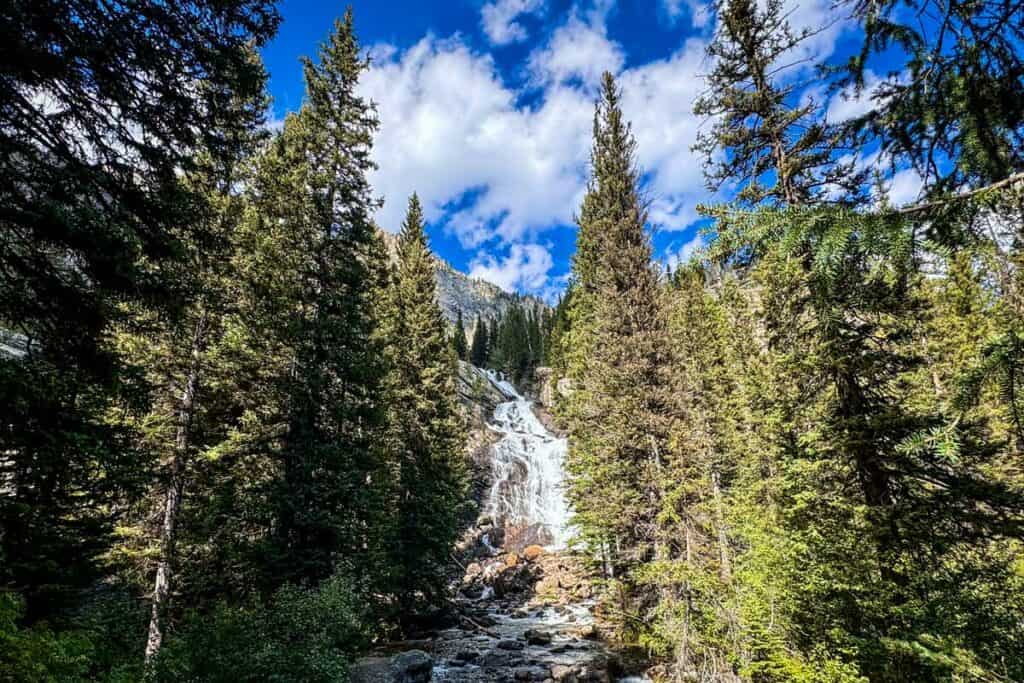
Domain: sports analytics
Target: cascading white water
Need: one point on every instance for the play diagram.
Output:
(528, 465)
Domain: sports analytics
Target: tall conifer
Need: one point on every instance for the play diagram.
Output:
(617, 413)
(425, 432)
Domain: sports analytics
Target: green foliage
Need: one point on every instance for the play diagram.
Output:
(459, 344)
(516, 343)
(425, 434)
(479, 351)
(301, 634)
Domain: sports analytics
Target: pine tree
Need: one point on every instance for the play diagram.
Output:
(459, 343)
(314, 271)
(774, 149)
(615, 469)
(478, 350)
(426, 435)
(98, 144)
(959, 93)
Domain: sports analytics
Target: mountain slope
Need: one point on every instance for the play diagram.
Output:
(457, 291)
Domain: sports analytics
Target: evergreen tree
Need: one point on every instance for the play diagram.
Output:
(314, 268)
(774, 149)
(615, 469)
(478, 350)
(425, 432)
(959, 96)
(459, 343)
(98, 141)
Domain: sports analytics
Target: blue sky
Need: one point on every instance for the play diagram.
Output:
(486, 108)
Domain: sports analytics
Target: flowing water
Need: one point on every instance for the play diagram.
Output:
(527, 496)
(497, 639)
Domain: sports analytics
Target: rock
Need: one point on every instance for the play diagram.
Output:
(466, 655)
(532, 552)
(473, 592)
(473, 570)
(535, 637)
(414, 666)
(548, 586)
(529, 673)
(510, 645)
(588, 632)
(563, 673)
(495, 660)
(370, 670)
(511, 560)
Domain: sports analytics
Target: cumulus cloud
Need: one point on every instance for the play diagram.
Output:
(678, 257)
(579, 50)
(526, 267)
(484, 166)
(499, 19)
(497, 162)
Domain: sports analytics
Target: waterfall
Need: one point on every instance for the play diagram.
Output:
(527, 495)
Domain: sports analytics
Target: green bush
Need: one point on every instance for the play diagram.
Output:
(301, 635)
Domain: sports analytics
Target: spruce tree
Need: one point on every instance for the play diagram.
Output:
(614, 469)
(459, 344)
(313, 269)
(425, 432)
(98, 143)
(478, 350)
(959, 96)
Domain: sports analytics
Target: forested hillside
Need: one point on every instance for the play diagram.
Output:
(231, 445)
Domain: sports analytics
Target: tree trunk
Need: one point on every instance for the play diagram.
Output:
(173, 497)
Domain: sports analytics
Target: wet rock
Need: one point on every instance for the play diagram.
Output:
(466, 655)
(496, 660)
(414, 666)
(588, 632)
(511, 560)
(530, 673)
(473, 592)
(563, 673)
(510, 645)
(473, 570)
(536, 637)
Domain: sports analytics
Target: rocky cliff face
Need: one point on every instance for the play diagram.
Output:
(459, 292)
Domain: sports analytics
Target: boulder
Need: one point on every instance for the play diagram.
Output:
(532, 552)
(536, 637)
(510, 645)
(511, 560)
(530, 673)
(414, 666)
(370, 670)
(563, 673)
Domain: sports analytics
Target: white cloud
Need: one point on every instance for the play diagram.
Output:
(452, 131)
(499, 19)
(658, 99)
(490, 169)
(674, 259)
(525, 268)
(701, 13)
(905, 187)
(579, 49)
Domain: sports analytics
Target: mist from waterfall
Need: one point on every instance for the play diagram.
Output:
(528, 462)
